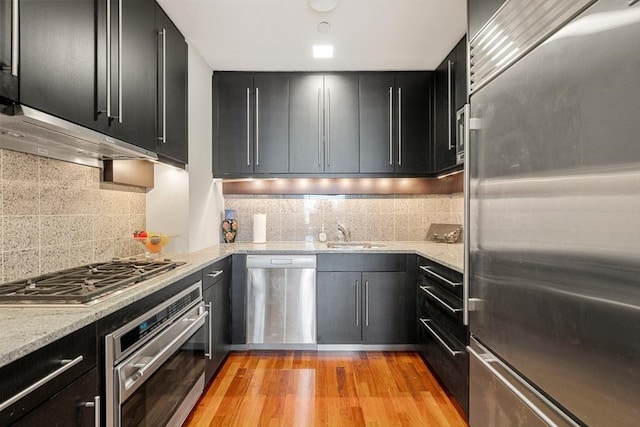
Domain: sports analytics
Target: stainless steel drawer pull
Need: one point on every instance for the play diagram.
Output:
(435, 297)
(96, 409)
(210, 346)
(257, 126)
(428, 270)
(15, 38)
(248, 127)
(442, 342)
(66, 365)
(390, 126)
(215, 274)
(163, 138)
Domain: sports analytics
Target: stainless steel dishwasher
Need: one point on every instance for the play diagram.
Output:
(281, 301)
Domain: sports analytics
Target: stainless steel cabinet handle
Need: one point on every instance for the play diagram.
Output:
(435, 297)
(163, 138)
(442, 342)
(248, 126)
(108, 59)
(214, 274)
(66, 365)
(449, 63)
(488, 365)
(357, 303)
(390, 126)
(328, 131)
(319, 126)
(257, 127)
(210, 346)
(96, 409)
(15, 38)
(399, 126)
(120, 114)
(366, 303)
(433, 273)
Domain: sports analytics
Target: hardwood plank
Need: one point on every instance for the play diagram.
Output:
(306, 388)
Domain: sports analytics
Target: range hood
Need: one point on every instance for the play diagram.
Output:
(32, 131)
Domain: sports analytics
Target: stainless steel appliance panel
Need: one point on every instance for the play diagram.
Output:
(281, 299)
(554, 250)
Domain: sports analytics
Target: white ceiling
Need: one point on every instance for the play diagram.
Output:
(277, 35)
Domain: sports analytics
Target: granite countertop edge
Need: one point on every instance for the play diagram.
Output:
(22, 334)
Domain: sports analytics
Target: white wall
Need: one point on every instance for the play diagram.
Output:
(205, 202)
(189, 204)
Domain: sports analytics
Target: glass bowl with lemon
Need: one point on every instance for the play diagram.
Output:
(152, 242)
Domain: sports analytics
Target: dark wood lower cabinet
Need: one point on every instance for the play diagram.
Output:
(363, 307)
(73, 406)
(217, 297)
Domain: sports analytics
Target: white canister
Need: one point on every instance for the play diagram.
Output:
(259, 228)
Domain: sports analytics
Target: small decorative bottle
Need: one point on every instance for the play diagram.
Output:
(322, 235)
(229, 226)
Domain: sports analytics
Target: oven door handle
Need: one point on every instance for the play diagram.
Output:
(129, 384)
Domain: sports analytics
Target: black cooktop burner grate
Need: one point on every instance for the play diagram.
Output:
(81, 285)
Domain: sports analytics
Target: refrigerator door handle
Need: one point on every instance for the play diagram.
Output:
(488, 360)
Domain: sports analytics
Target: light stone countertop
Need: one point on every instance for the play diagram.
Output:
(26, 329)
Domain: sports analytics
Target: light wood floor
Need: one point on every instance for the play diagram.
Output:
(304, 388)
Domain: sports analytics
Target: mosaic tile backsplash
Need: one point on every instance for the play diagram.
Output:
(299, 218)
(57, 215)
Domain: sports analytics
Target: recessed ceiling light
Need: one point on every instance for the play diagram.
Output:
(322, 51)
(323, 5)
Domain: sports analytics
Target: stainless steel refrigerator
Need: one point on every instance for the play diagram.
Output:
(553, 223)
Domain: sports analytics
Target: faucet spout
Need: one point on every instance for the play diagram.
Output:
(346, 233)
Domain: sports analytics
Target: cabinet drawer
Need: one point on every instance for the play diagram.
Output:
(450, 365)
(431, 306)
(31, 380)
(361, 262)
(431, 273)
(216, 272)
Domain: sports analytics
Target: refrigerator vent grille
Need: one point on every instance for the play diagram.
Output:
(515, 29)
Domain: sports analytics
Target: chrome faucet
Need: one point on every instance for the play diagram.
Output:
(346, 233)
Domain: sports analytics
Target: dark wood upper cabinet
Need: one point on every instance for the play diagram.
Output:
(450, 87)
(395, 123)
(377, 138)
(323, 123)
(413, 128)
(172, 139)
(134, 73)
(251, 117)
(58, 60)
(271, 121)
(63, 65)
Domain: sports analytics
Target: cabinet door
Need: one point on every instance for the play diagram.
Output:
(444, 138)
(339, 307)
(218, 323)
(136, 118)
(67, 408)
(342, 136)
(306, 145)
(376, 123)
(58, 59)
(384, 300)
(460, 73)
(271, 122)
(233, 121)
(413, 122)
(172, 76)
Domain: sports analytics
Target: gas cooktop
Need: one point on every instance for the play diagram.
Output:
(84, 285)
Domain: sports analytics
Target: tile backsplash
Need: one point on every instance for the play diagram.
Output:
(298, 218)
(57, 215)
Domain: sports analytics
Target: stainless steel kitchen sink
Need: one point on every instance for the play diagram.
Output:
(353, 245)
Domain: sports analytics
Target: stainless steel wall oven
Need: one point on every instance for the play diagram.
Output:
(155, 363)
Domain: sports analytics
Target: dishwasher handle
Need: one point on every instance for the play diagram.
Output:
(281, 261)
